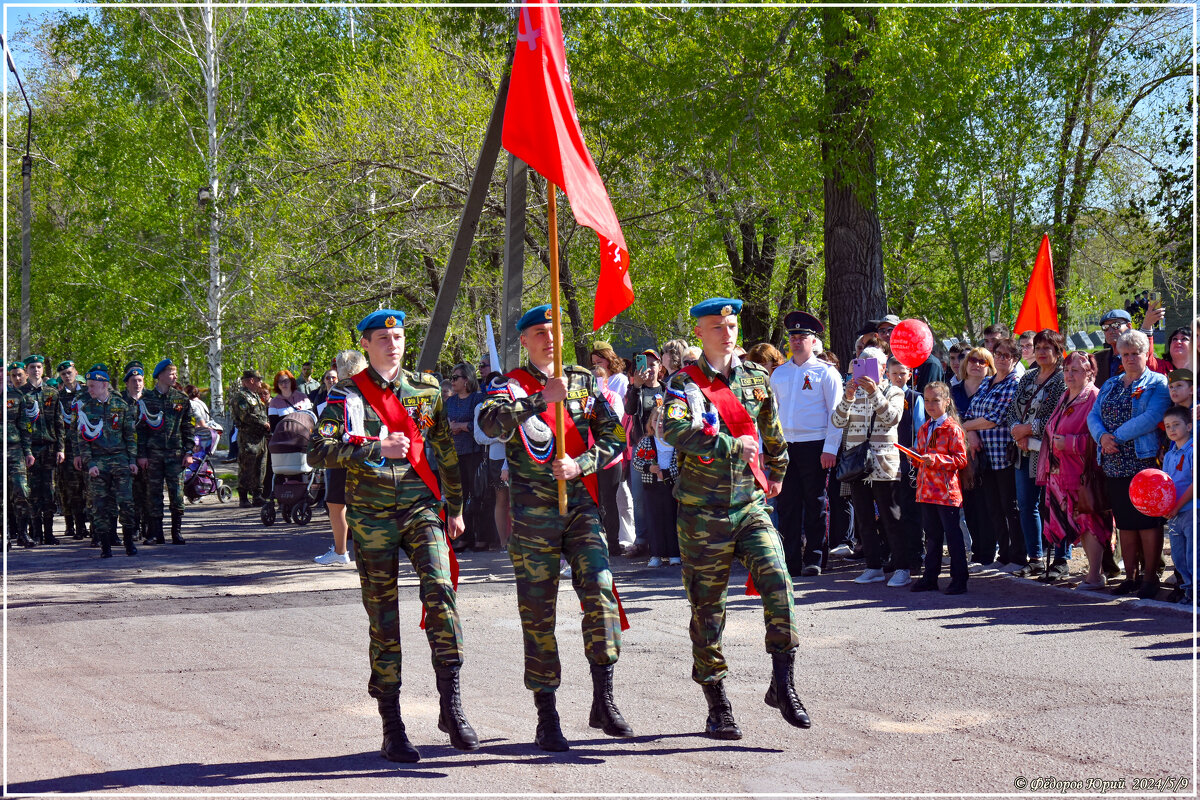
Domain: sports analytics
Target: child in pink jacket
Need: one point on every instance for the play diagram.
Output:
(942, 448)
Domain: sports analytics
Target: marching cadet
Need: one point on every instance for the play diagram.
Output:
(165, 431)
(40, 406)
(18, 438)
(374, 426)
(517, 410)
(250, 416)
(135, 387)
(16, 375)
(108, 451)
(712, 408)
(70, 481)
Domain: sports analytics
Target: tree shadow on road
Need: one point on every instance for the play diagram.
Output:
(438, 761)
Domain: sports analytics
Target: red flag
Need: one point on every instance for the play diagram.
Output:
(1039, 309)
(542, 129)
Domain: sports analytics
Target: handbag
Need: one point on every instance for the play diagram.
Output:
(859, 461)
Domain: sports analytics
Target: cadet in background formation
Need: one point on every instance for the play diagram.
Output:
(71, 483)
(108, 451)
(540, 536)
(250, 416)
(40, 406)
(18, 438)
(135, 387)
(165, 431)
(372, 426)
(715, 412)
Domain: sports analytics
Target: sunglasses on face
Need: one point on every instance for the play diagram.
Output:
(1113, 326)
(457, 377)
(979, 362)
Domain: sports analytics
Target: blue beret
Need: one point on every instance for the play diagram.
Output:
(539, 315)
(383, 318)
(34, 360)
(16, 365)
(1116, 313)
(131, 369)
(98, 372)
(160, 366)
(724, 306)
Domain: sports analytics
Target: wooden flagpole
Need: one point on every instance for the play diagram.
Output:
(556, 331)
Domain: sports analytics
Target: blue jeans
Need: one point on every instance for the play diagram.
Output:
(1179, 531)
(639, 508)
(1028, 496)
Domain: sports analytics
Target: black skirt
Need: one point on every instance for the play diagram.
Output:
(1127, 517)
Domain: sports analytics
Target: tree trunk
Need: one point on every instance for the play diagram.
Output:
(854, 285)
(216, 287)
(753, 279)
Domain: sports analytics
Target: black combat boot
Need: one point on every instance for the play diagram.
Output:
(22, 538)
(452, 720)
(176, 525)
(156, 531)
(92, 531)
(549, 733)
(604, 710)
(80, 526)
(48, 529)
(106, 541)
(242, 501)
(720, 723)
(127, 533)
(70, 521)
(396, 746)
(782, 693)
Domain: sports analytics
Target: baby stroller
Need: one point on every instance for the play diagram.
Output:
(199, 479)
(297, 487)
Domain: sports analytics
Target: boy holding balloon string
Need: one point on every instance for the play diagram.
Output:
(1177, 463)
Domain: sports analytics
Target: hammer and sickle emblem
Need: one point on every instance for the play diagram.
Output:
(531, 34)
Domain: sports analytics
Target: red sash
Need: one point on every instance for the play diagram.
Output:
(574, 446)
(396, 418)
(737, 419)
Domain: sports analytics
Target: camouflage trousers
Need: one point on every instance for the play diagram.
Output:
(41, 480)
(162, 468)
(539, 537)
(139, 491)
(18, 490)
(110, 495)
(252, 465)
(709, 539)
(379, 539)
(71, 487)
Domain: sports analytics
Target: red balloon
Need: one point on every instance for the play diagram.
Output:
(912, 342)
(1152, 492)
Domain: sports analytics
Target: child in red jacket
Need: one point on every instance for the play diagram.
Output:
(942, 446)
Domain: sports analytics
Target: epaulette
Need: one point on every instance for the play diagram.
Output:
(423, 379)
(752, 366)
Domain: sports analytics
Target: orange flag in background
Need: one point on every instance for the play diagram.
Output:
(1039, 309)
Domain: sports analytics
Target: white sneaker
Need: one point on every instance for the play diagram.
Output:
(675, 561)
(900, 577)
(870, 576)
(841, 550)
(655, 561)
(332, 558)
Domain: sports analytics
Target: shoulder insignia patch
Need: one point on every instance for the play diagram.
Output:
(328, 428)
(675, 412)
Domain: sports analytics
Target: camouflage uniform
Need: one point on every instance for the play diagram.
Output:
(165, 431)
(540, 535)
(70, 482)
(138, 487)
(40, 405)
(112, 448)
(18, 438)
(723, 513)
(250, 416)
(390, 510)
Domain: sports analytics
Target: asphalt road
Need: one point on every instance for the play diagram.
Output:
(234, 665)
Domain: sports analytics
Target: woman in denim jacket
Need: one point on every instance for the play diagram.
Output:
(1124, 422)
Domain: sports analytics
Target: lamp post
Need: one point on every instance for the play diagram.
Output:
(26, 209)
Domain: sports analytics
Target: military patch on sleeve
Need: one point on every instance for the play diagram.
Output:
(675, 412)
(621, 433)
(328, 429)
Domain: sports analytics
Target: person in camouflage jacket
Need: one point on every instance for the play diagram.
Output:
(166, 430)
(108, 452)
